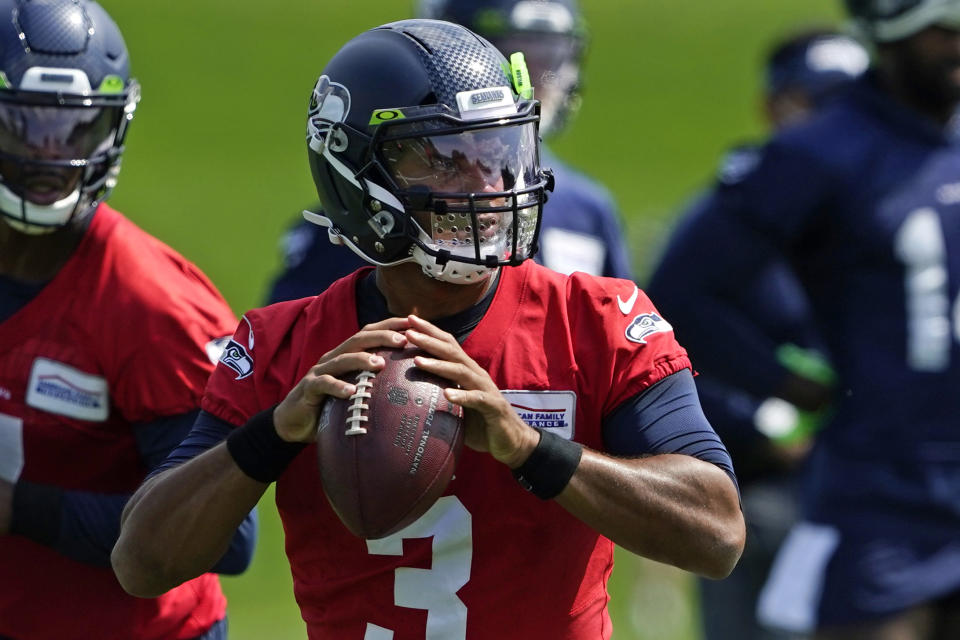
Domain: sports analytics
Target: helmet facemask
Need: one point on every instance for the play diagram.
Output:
(59, 157)
(66, 100)
(472, 195)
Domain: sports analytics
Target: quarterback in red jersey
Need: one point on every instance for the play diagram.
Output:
(107, 338)
(583, 429)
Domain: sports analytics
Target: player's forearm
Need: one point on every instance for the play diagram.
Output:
(180, 523)
(670, 508)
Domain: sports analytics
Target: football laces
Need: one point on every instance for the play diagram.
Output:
(358, 405)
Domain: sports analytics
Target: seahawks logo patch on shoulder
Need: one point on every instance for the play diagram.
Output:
(237, 358)
(644, 325)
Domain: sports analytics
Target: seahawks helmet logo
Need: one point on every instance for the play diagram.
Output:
(237, 358)
(644, 325)
(329, 105)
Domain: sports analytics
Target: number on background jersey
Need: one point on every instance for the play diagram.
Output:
(11, 448)
(920, 245)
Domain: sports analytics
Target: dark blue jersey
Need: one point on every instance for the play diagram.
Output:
(863, 202)
(581, 231)
(778, 308)
(708, 309)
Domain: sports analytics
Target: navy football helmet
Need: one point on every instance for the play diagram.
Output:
(819, 63)
(423, 146)
(550, 33)
(66, 99)
(891, 20)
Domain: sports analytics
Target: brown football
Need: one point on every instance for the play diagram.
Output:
(387, 453)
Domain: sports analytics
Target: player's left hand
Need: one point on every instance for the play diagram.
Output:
(491, 423)
(6, 506)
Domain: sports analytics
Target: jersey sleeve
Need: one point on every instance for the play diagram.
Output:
(167, 348)
(259, 365)
(231, 393)
(623, 344)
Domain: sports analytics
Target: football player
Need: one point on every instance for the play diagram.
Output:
(767, 437)
(582, 230)
(424, 150)
(107, 337)
(860, 201)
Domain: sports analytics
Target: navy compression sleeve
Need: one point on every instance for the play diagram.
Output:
(207, 432)
(84, 525)
(666, 418)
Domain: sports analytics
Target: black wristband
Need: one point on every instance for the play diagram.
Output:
(551, 465)
(36, 512)
(259, 451)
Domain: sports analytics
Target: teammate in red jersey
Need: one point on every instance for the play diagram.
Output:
(107, 338)
(423, 142)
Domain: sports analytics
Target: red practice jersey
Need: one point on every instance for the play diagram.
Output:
(488, 560)
(125, 333)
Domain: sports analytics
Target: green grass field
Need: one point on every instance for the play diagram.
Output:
(216, 167)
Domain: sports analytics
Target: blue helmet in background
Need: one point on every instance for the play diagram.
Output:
(891, 20)
(817, 63)
(550, 33)
(66, 99)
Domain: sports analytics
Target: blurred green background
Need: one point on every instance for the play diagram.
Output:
(216, 167)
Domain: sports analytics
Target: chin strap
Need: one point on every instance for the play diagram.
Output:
(35, 219)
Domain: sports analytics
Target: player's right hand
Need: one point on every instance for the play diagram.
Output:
(295, 419)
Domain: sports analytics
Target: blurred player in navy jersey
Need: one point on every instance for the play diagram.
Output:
(424, 150)
(107, 337)
(767, 437)
(861, 201)
(582, 229)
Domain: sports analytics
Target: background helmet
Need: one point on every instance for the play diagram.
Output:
(66, 99)
(817, 63)
(423, 146)
(550, 33)
(890, 20)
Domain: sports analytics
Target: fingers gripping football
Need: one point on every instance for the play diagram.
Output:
(491, 424)
(296, 417)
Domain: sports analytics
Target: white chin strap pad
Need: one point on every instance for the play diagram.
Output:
(35, 219)
(452, 272)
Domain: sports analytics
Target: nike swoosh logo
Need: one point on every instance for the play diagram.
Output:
(627, 305)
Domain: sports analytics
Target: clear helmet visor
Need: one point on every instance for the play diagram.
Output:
(46, 150)
(481, 186)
